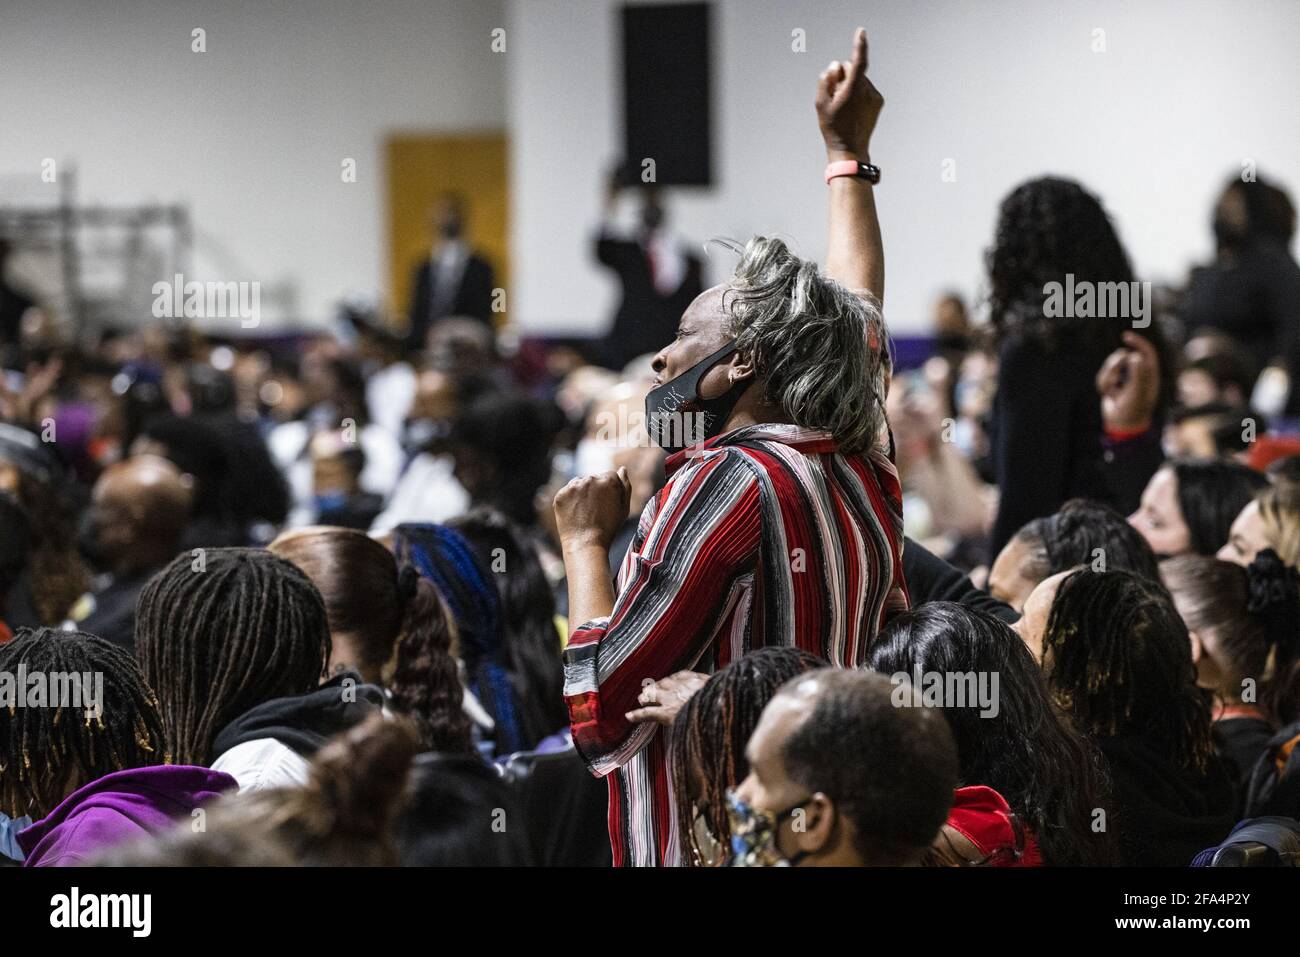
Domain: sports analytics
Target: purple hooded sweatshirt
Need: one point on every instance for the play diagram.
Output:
(118, 807)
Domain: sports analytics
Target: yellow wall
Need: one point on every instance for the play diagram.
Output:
(422, 167)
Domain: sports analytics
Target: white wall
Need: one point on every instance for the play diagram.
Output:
(1008, 88)
(251, 133)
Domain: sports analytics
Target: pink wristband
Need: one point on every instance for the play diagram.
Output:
(841, 168)
(854, 168)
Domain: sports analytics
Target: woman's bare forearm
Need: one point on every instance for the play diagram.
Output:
(591, 589)
(855, 255)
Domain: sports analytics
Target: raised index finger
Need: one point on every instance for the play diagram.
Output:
(859, 60)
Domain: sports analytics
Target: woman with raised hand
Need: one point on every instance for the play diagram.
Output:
(781, 521)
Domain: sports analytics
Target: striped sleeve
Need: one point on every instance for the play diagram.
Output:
(677, 590)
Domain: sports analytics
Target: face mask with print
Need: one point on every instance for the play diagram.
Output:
(753, 835)
(677, 416)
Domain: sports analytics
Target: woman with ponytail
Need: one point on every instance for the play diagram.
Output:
(387, 625)
(444, 558)
(1245, 630)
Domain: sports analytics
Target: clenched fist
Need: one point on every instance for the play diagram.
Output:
(591, 509)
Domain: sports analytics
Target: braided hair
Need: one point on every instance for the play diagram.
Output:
(425, 679)
(443, 556)
(532, 647)
(223, 632)
(1119, 661)
(708, 738)
(43, 750)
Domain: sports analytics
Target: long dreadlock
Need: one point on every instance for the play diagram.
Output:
(45, 750)
(220, 635)
(1119, 660)
(707, 746)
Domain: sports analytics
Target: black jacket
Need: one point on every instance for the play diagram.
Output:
(645, 321)
(1165, 815)
(473, 298)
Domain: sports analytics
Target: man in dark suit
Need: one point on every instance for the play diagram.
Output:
(658, 277)
(454, 280)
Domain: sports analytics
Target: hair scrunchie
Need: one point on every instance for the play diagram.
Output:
(1274, 595)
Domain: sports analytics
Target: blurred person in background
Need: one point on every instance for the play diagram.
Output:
(427, 490)
(390, 379)
(453, 281)
(53, 576)
(1251, 291)
(138, 513)
(657, 277)
(1223, 377)
(1212, 431)
(337, 496)
(14, 303)
(501, 446)
(1047, 421)
(336, 402)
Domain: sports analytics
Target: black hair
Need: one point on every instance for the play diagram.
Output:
(1046, 228)
(1119, 661)
(222, 631)
(532, 648)
(890, 770)
(1079, 534)
(1051, 775)
(708, 737)
(1211, 494)
(42, 748)
(510, 436)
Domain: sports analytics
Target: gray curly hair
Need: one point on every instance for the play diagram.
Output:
(822, 349)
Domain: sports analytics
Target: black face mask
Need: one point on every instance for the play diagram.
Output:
(88, 540)
(677, 416)
(1226, 235)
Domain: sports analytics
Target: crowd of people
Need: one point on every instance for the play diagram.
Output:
(754, 597)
